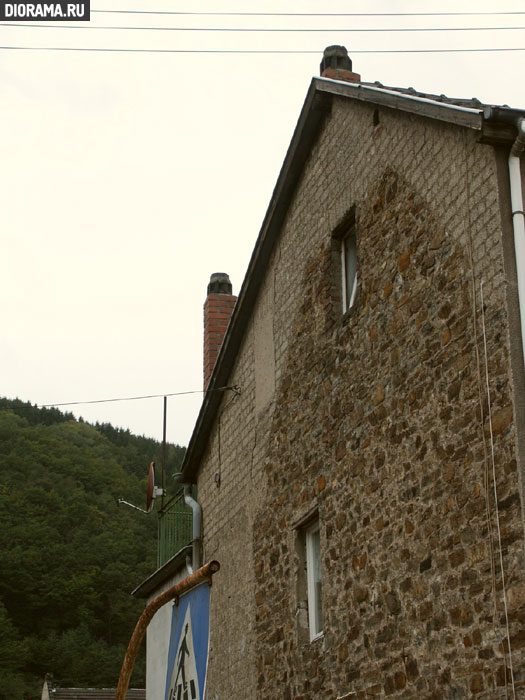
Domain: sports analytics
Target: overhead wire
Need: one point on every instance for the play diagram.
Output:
(307, 14)
(339, 30)
(233, 388)
(31, 25)
(254, 51)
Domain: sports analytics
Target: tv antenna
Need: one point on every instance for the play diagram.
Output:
(152, 492)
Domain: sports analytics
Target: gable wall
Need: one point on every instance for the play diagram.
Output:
(376, 421)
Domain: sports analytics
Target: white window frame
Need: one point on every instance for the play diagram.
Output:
(313, 565)
(348, 294)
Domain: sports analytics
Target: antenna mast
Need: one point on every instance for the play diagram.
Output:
(163, 471)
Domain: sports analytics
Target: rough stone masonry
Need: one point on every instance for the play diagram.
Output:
(377, 420)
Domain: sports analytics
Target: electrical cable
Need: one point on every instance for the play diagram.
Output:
(488, 517)
(308, 14)
(493, 460)
(126, 398)
(254, 51)
(234, 388)
(26, 25)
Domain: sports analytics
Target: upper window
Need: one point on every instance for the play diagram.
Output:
(349, 269)
(314, 579)
(344, 263)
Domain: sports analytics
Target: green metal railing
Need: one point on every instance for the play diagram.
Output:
(175, 527)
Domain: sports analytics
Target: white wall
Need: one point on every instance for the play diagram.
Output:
(158, 641)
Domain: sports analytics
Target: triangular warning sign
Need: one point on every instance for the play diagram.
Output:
(184, 684)
(188, 649)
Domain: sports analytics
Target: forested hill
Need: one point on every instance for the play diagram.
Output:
(69, 555)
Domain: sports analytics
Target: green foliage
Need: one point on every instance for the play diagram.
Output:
(137, 449)
(13, 657)
(70, 557)
(33, 414)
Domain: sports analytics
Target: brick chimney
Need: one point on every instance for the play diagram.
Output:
(337, 65)
(218, 309)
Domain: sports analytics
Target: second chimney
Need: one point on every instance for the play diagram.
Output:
(218, 309)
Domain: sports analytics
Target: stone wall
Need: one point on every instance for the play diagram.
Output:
(379, 420)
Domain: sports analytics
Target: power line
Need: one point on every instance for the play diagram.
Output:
(308, 14)
(253, 51)
(339, 30)
(134, 398)
(234, 388)
(126, 398)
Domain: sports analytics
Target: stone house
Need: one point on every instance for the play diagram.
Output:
(359, 455)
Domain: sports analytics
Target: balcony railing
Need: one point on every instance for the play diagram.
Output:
(175, 528)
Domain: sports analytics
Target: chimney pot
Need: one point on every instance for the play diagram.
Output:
(336, 64)
(219, 284)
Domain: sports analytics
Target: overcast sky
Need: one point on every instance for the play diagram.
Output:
(126, 179)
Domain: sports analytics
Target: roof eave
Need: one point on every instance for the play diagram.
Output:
(165, 572)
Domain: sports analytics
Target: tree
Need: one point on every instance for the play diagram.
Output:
(70, 556)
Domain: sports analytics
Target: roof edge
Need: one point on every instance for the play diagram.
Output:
(423, 106)
(162, 574)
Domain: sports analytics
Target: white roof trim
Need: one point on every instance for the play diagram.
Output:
(414, 98)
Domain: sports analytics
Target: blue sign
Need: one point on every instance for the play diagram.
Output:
(188, 652)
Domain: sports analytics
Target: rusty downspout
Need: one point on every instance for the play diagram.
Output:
(203, 574)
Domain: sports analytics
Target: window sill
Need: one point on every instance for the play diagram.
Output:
(349, 313)
(353, 310)
(318, 637)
